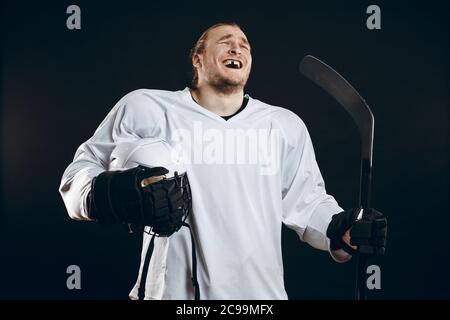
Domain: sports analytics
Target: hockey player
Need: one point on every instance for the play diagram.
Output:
(251, 167)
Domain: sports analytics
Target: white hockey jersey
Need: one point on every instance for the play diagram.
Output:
(248, 175)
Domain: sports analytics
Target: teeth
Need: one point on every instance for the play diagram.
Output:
(233, 62)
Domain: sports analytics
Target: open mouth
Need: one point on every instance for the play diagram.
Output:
(233, 64)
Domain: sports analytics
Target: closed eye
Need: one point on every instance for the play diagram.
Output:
(246, 47)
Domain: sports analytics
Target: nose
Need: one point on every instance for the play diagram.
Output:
(235, 49)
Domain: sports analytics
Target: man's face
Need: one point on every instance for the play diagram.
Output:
(226, 61)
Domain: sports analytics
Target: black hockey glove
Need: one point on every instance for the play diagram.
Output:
(120, 197)
(368, 233)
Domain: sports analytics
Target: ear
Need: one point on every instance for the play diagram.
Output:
(197, 60)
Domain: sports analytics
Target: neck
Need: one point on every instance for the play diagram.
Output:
(222, 104)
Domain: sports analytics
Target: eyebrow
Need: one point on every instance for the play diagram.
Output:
(228, 36)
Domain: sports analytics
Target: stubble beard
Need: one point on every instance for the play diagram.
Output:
(225, 84)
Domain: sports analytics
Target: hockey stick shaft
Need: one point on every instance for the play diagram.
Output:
(364, 200)
(342, 91)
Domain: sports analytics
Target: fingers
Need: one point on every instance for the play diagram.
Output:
(148, 176)
(373, 214)
(151, 180)
(155, 171)
(165, 198)
(370, 236)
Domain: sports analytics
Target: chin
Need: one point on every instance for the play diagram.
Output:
(228, 86)
(233, 80)
(226, 82)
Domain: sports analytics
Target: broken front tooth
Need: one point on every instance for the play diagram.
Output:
(234, 63)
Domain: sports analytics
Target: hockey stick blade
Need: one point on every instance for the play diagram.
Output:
(342, 91)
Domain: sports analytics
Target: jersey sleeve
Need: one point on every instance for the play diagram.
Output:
(126, 120)
(307, 208)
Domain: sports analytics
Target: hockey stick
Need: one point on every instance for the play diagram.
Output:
(333, 83)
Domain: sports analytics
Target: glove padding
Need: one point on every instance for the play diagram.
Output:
(368, 233)
(169, 202)
(119, 197)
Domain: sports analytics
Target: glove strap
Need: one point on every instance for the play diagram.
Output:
(148, 255)
(194, 264)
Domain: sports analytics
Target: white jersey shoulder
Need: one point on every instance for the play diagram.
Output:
(290, 124)
(146, 98)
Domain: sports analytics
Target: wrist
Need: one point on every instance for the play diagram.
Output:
(99, 202)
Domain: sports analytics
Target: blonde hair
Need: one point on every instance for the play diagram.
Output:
(199, 47)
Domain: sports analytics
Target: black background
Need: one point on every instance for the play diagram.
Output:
(58, 84)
